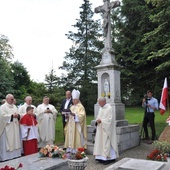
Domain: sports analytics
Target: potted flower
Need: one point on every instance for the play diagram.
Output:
(52, 151)
(77, 160)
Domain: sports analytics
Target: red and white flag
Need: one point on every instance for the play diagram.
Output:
(164, 97)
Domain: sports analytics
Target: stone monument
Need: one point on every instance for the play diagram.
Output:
(108, 72)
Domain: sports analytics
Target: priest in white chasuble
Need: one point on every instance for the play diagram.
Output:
(46, 116)
(10, 140)
(105, 147)
(75, 128)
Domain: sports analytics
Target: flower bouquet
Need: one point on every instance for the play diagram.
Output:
(157, 155)
(161, 152)
(52, 151)
(77, 160)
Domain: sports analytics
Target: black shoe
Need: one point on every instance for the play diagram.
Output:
(106, 162)
(100, 160)
(109, 161)
(149, 142)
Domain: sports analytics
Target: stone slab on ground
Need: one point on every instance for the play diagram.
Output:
(141, 165)
(34, 162)
(138, 164)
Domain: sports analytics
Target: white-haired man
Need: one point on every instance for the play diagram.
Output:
(28, 102)
(75, 128)
(10, 140)
(105, 147)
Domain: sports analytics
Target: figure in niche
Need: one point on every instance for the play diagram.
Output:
(106, 88)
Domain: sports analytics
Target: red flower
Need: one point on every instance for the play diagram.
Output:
(20, 165)
(157, 155)
(79, 156)
(81, 149)
(11, 168)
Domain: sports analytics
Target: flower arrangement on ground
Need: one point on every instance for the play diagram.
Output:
(161, 151)
(157, 155)
(52, 151)
(11, 168)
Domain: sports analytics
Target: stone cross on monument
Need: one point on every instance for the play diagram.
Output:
(108, 74)
(105, 10)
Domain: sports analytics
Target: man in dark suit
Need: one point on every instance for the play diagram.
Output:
(65, 106)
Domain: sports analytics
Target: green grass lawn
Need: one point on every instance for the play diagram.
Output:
(134, 115)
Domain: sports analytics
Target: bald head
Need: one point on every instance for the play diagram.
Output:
(101, 101)
(9, 98)
(28, 100)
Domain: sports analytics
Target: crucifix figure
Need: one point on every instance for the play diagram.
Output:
(105, 10)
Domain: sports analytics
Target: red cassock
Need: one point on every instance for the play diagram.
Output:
(30, 145)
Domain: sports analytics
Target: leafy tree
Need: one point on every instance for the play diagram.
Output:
(5, 48)
(37, 91)
(22, 80)
(83, 56)
(6, 78)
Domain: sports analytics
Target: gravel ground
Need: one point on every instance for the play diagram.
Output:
(138, 152)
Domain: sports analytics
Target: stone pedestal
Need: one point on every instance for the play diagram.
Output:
(108, 71)
(127, 136)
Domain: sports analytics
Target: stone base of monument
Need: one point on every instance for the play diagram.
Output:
(138, 164)
(127, 136)
(34, 162)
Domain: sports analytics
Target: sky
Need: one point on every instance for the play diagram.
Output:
(36, 31)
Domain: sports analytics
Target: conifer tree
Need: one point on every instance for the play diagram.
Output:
(158, 39)
(131, 23)
(83, 56)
